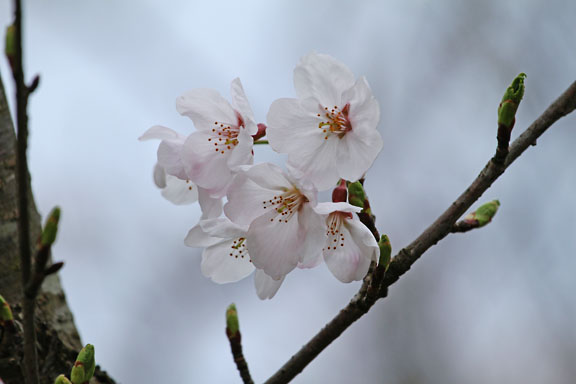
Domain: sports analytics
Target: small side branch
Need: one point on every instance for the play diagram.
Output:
(406, 257)
(235, 339)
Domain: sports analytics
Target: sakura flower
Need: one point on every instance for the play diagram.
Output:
(350, 246)
(169, 172)
(330, 131)
(225, 258)
(223, 140)
(284, 231)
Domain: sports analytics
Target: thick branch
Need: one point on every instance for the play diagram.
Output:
(402, 262)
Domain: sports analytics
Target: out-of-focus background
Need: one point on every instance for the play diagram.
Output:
(496, 305)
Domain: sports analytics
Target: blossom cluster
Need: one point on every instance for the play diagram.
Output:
(261, 217)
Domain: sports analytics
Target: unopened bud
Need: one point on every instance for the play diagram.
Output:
(356, 194)
(50, 228)
(10, 44)
(232, 324)
(385, 252)
(62, 380)
(5, 311)
(261, 132)
(340, 193)
(84, 366)
(484, 214)
(511, 101)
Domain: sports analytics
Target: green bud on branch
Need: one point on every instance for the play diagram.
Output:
(50, 228)
(232, 324)
(511, 101)
(385, 252)
(5, 312)
(484, 214)
(356, 194)
(62, 380)
(84, 366)
(10, 44)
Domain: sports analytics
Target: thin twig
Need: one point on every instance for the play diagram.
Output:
(235, 339)
(402, 262)
(22, 94)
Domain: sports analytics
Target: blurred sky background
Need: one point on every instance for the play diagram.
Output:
(496, 305)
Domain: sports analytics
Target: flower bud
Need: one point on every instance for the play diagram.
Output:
(62, 380)
(340, 193)
(484, 214)
(385, 252)
(511, 101)
(50, 228)
(5, 312)
(232, 324)
(356, 195)
(84, 366)
(10, 44)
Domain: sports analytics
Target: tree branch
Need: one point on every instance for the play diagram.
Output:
(402, 262)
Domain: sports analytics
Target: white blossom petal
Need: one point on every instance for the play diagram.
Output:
(275, 246)
(328, 207)
(323, 77)
(211, 207)
(241, 104)
(266, 287)
(179, 192)
(224, 263)
(160, 132)
(206, 168)
(159, 176)
(349, 249)
(204, 107)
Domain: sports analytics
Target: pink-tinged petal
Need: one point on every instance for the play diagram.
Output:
(327, 208)
(241, 154)
(344, 257)
(206, 167)
(275, 246)
(170, 158)
(204, 107)
(364, 112)
(179, 192)
(159, 176)
(241, 104)
(224, 263)
(223, 228)
(245, 199)
(196, 237)
(364, 238)
(293, 128)
(318, 167)
(266, 287)
(314, 226)
(323, 77)
(357, 154)
(160, 132)
(269, 176)
(211, 207)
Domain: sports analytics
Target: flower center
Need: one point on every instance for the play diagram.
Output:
(238, 249)
(336, 122)
(335, 237)
(285, 204)
(225, 136)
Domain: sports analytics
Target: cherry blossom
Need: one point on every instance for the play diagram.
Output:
(169, 172)
(225, 258)
(330, 131)
(284, 231)
(350, 246)
(223, 140)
